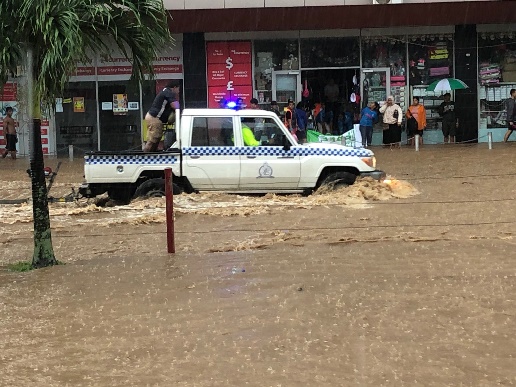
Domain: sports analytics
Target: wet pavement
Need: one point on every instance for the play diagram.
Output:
(362, 287)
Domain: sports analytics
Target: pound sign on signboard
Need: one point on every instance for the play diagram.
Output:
(230, 86)
(229, 63)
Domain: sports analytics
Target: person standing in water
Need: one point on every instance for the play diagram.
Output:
(11, 137)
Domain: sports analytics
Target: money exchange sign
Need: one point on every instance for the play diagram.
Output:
(229, 72)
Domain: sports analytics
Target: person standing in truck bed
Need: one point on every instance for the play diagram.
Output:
(163, 105)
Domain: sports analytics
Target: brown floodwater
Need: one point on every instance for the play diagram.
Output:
(406, 283)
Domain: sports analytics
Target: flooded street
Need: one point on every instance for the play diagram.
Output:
(375, 284)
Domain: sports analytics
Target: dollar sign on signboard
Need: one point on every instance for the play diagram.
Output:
(229, 63)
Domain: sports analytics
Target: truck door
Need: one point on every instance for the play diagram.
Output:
(264, 163)
(212, 160)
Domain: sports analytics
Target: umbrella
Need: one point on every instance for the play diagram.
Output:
(447, 84)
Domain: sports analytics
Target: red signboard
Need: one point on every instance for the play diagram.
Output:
(241, 74)
(168, 69)
(9, 92)
(240, 52)
(217, 52)
(244, 92)
(44, 132)
(218, 75)
(229, 71)
(84, 71)
(215, 94)
(115, 70)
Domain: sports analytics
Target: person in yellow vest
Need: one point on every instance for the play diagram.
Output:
(248, 135)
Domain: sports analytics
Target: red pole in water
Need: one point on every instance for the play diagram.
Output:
(169, 196)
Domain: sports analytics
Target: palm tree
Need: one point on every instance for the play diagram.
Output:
(55, 35)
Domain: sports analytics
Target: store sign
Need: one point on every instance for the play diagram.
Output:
(8, 98)
(114, 66)
(170, 62)
(215, 94)
(84, 71)
(9, 92)
(218, 74)
(45, 130)
(229, 71)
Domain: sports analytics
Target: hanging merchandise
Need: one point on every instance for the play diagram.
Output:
(306, 92)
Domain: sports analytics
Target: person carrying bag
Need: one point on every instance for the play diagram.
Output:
(392, 117)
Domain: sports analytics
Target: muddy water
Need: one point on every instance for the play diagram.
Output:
(401, 284)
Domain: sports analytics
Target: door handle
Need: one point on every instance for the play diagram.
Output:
(285, 157)
(251, 157)
(195, 157)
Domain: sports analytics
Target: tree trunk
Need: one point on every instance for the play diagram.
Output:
(43, 250)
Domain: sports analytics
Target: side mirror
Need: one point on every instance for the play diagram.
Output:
(285, 142)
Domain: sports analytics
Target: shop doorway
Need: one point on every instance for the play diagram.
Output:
(317, 80)
(335, 88)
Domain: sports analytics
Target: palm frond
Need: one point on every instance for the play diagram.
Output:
(63, 33)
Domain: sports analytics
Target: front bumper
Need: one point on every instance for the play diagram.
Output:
(376, 175)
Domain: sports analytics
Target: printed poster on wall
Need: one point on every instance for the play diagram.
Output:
(229, 72)
(120, 106)
(78, 105)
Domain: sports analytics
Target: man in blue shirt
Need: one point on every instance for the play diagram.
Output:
(165, 103)
(367, 118)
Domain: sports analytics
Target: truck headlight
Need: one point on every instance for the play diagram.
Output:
(370, 161)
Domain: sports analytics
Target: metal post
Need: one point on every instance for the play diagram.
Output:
(490, 140)
(70, 152)
(416, 140)
(169, 197)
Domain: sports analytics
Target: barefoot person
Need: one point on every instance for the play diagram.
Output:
(10, 133)
(165, 102)
(450, 121)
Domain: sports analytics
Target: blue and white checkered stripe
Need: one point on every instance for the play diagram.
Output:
(130, 159)
(272, 151)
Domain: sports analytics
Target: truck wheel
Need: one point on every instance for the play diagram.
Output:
(338, 179)
(155, 188)
(122, 193)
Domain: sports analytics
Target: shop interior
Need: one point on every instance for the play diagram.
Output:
(316, 80)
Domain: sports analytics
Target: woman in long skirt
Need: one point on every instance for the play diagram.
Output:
(392, 116)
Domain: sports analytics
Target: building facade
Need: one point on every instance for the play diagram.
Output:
(291, 49)
(369, 49)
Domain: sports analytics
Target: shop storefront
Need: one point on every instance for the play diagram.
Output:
(496, 76)
(365, 65)
(102, 109)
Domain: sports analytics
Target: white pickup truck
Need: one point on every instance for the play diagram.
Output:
(245, 151)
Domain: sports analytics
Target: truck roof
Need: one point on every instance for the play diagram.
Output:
(227, 112)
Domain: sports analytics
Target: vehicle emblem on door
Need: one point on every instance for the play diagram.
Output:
(265, 171)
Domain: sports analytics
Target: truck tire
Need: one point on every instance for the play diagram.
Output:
(338, 180)
(121, 193)
(155, 188)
